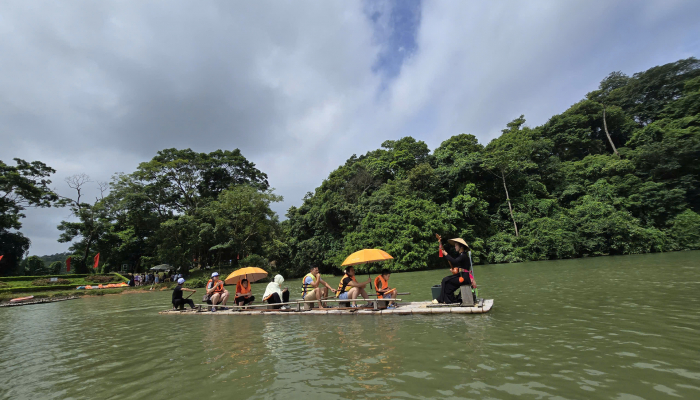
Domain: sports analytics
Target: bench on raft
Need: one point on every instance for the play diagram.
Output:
(467, 299)
(302, 305)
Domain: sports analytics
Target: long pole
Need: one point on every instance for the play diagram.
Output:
(471, 269)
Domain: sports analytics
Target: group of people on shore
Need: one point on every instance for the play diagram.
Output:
(314, 288)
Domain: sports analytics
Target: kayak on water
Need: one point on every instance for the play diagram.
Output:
(21, 299)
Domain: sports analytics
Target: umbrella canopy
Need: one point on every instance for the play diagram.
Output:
(251, 273)
(162, 267)
(366, 256)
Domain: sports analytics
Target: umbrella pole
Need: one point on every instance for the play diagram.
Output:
(370, 277)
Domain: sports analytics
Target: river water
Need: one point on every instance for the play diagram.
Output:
(605, 328)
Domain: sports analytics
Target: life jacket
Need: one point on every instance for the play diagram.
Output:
(341, 286)
(240, 289)
(218, 287)
(305, 287)
(381, 284)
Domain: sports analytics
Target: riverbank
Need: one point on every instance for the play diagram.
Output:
(5, 297)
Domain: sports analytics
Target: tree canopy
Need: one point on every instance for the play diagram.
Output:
(615, 173)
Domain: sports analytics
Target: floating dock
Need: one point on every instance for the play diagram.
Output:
(412, 308)
(37, 301)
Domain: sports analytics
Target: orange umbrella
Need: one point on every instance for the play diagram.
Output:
(366, 256)
(251, 273)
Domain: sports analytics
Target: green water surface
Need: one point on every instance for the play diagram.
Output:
(602, 328)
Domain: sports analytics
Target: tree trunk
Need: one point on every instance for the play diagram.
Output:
(605, 125)
(509, 206)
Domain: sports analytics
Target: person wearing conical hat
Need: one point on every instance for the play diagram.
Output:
(458, 277)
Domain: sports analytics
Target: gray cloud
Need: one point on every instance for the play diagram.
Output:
(97, 87)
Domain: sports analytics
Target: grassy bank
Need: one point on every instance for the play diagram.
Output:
(94, 292)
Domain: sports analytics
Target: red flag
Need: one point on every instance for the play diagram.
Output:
(97, 260)
(440, 253)
(2, 257)
(68, 264)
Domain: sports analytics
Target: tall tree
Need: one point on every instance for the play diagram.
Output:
(22, 186)
(508, 154)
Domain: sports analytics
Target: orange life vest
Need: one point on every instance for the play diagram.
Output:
(240, 289)
(341, 286)
(218, 286)
(382, 285)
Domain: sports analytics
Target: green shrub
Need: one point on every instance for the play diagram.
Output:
(32, 277)
(102, 278)
(195, 283)
(48, 282)
(36, 288)
(685, 230)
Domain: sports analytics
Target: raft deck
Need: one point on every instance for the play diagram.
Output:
(412, 308)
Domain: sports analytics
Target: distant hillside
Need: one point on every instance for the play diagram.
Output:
(48, 259)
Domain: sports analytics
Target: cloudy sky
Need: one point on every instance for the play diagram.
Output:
(96, 87)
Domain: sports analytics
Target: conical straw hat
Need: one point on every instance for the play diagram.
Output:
(458, 240)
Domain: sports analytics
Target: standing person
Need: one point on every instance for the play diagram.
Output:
(215, 289)
(137, 280)
(178, 301)
(243, 295)
(349, 288)
(381, 285)
(131, 280)
(157, 278)
(311, 287)
(274, 294)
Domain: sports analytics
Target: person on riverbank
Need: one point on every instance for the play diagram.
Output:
(274, 294)
(381, 285)
(311, 287)
(243, 295)
(178, 301)
(216, 291)
(349, 288)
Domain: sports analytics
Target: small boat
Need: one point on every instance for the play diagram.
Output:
(21, 299)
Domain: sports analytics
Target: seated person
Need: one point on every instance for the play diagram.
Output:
(311, 287)
(178, 301)
(215, 289)
(381, 285)
(274, 293)
(243, 295)
(450, 284)
(349, 288)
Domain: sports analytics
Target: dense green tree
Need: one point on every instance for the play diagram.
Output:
(56, 268)
(22, 186)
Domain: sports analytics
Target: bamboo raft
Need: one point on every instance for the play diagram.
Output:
(37, 301)
(377, 308)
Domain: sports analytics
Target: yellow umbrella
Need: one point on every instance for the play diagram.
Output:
(367, 256)
(251, 273)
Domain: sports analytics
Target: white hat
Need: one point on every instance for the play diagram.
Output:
(214, 274)
(181, 281)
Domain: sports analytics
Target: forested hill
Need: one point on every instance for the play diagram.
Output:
(616, 173)
(574, 190)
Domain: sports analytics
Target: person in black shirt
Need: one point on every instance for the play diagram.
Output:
(178, 301)
(459, 268)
